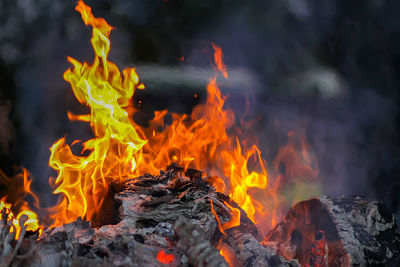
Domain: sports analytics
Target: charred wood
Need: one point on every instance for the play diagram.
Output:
(199, 251)
(339, 232)
(245, 250)
(168, 214)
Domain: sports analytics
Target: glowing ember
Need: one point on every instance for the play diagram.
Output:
(225, 255)
(164, 257)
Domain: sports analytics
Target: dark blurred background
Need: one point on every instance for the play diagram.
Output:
(328, 69)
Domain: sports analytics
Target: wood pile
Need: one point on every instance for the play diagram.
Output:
(170, 220)
(163, 220)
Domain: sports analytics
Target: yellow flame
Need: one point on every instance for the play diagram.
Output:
(115, 149)
(31, 224)
(120, 148)
(203, 140)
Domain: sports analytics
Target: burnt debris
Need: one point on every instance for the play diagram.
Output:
(339, 232)
(171, 215)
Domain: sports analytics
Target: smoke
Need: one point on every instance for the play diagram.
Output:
(6, 128)
(322, 68)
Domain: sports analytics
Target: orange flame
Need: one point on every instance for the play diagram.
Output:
(219, 64)
(164, 257)
(233, 222)
(18, 188)
(31, 224)
(204, 140)
(200, 140)
(235, 167)
(227, 255)
(188, 140)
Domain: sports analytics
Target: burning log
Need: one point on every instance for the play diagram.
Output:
(12, 251)
(175, 218)
(164, 219)
(243, 249)
(338, 232)
(199, 251)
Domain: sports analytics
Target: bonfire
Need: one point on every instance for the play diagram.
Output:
(193, 192)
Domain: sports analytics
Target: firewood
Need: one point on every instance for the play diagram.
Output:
(168, 214)
(356, 232)
(199, 251)
(247, 251)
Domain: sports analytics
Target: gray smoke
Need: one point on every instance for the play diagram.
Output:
(6, 128)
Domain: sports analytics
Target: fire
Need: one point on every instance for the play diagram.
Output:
(233, 222)
(219, 64)
(206, 140)
(19, 189)
(31, 223)
(227, 255)
(201, 141)
(121, 148)
(235, 166)
(115, 149)
(190, 140)
(164, 257)
(118, 149)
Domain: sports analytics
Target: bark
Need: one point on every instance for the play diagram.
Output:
(345, 231)
(199, 251)
(244, 250)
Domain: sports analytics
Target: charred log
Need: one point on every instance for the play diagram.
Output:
(338, 232)
(169, 214)
(199, 251)
(242, 249)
